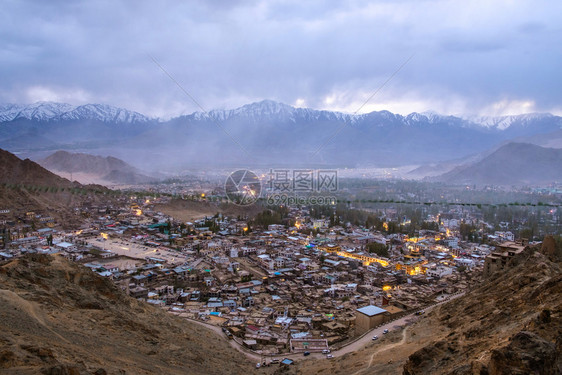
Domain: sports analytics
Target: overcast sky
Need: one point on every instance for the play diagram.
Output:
(469, 57)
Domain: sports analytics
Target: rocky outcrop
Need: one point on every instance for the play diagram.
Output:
(526, 353)
(551, 249)
(423, 361)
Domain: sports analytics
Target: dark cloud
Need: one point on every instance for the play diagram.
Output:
(531, 27)
(472, 46)
(324, 54)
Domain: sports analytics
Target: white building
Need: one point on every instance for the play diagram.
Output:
(439, 271)
(66, 246)
(505, 236)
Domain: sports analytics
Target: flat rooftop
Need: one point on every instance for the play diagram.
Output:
(371, 310)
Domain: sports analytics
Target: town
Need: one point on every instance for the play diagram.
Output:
(289, 280)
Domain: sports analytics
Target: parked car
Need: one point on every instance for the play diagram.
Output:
(375, 337)
(306, 353)
(326, 351)
(258, 365)
(385, 332)
(329, 356)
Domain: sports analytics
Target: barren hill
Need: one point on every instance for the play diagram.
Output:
(26, 186)
(13, 170)
(61, 318)
(511, 164)
(98, 168)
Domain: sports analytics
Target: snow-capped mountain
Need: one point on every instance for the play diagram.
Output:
(259, 111)
(504, 122)
(49, 111)
(273, 111)
(269, 109)
(267, 131)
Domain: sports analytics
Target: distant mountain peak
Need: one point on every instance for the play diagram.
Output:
(504, 122)
(268, 103)
(51, 111)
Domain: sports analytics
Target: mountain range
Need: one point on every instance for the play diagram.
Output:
(266, 133)
(49, 111)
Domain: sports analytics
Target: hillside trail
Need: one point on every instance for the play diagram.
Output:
(383, 349)
(10, 298)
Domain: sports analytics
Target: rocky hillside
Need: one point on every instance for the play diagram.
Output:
(511, 324)
(61, 318)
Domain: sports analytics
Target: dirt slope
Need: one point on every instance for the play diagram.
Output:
(61, 318)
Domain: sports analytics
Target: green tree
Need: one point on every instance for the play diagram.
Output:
(378, 248)
(527, 233)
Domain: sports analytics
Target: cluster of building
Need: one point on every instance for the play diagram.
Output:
(274, 289)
